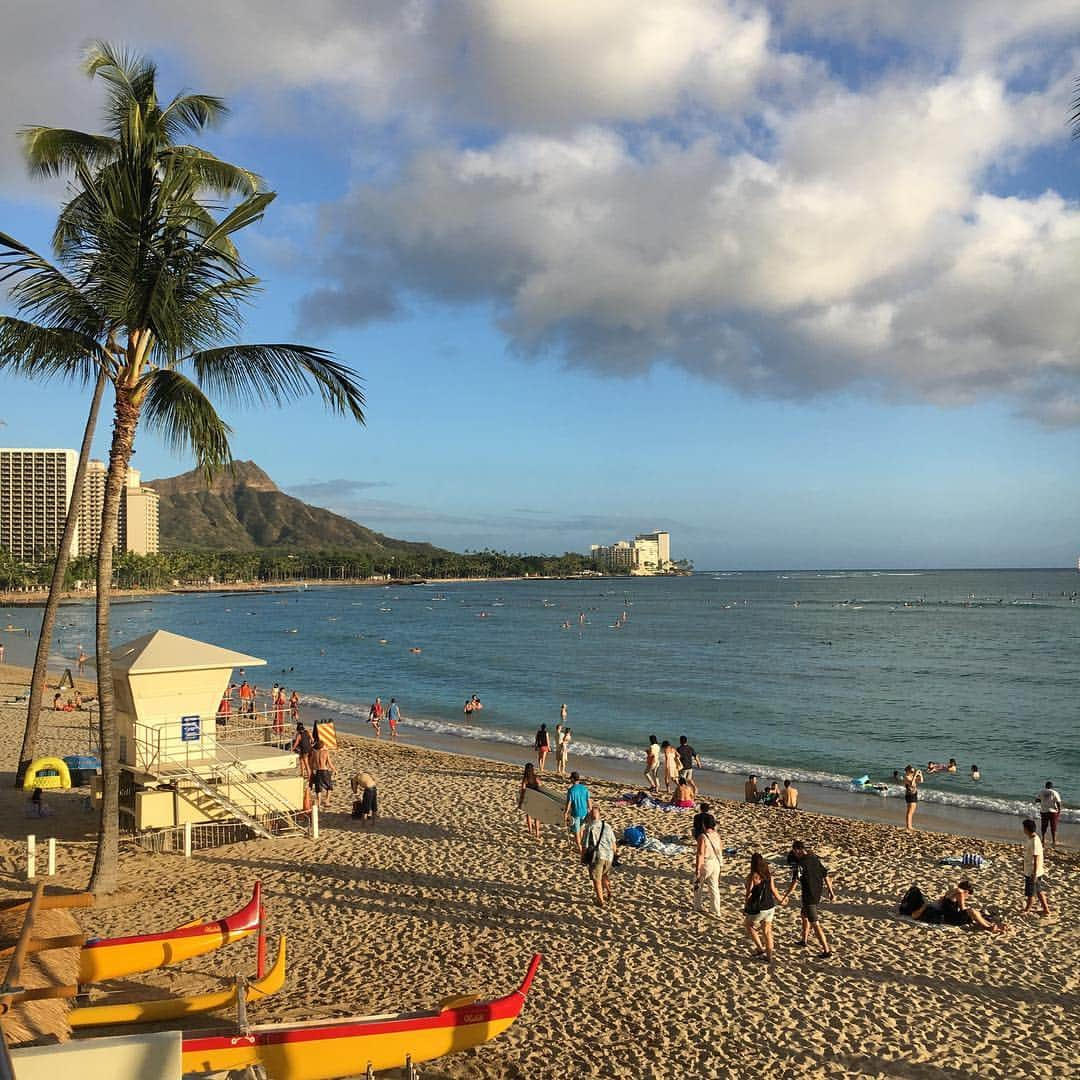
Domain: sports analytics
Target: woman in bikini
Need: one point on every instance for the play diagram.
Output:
(912, 779)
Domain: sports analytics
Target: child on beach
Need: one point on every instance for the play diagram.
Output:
(562, 754)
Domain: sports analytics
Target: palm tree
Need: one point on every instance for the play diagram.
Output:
(148, 267)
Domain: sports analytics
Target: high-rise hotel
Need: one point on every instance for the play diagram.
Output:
(35, 492)
(647, 553)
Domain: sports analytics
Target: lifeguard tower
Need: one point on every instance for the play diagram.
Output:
(182, 761)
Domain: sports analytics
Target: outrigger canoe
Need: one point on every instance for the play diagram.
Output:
(323, 1050)
(112, 958)
(144, 1012)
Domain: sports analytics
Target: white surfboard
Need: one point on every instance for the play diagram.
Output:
(544, 806)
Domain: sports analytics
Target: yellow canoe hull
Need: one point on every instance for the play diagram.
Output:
(113, 958)
(325, 1050)
(324, 1060)
(145, 1012)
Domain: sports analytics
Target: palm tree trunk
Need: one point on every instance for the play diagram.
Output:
(104, 877)
(56, 587)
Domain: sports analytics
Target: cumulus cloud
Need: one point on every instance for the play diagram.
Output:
(859, 250)
(691, 182)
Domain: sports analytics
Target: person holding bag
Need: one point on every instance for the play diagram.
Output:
(760, 905)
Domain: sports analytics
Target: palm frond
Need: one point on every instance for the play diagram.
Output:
(212, 173)
(41, 290)
(55, 151)
(1074, 118)
(260, 374)
(46, 352)
(186, 419)
(192, 112)
(247, 213)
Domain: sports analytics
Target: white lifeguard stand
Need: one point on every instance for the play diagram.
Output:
(184, 766)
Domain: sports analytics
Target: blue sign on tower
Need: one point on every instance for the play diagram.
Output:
(189, 728)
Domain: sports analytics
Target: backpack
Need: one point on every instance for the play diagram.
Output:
(305, 743)
(634, 836)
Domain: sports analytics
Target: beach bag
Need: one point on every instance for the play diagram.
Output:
(634, 836)
(972, 860)
(591, 844)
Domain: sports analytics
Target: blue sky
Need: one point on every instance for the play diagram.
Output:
(796, 281)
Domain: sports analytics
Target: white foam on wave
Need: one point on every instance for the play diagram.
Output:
(584, 748)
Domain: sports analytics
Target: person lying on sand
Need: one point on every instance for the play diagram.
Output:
(952, 909)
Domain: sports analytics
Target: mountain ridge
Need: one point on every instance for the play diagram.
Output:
(242, 509)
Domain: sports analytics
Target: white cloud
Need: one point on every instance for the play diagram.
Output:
(629, 182)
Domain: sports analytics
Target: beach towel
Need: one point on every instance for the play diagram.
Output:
(970, 860)
(647, 802)
(664, 849)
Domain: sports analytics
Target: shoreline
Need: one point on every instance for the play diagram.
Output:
(713, 784)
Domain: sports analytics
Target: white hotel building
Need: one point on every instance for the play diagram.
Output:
(647, 553)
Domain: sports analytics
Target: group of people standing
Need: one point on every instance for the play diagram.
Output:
(678, 764)
(544, 742)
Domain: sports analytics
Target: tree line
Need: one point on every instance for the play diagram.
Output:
(177, 569)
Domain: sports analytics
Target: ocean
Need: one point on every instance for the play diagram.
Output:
(815, 676)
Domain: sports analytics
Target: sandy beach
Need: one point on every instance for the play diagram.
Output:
(446, 893)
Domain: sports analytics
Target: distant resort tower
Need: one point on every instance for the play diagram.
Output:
(647, 553)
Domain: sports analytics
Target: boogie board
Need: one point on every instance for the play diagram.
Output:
(544, 806)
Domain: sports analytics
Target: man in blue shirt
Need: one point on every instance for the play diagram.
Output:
(578, 804)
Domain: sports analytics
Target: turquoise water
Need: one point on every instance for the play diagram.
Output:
(818, 676)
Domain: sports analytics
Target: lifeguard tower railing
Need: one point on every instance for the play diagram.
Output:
(226, 756)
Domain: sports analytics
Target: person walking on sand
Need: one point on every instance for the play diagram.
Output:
(393, 713)
(789, 797)
(813, 877)
(759, 905)
(599, 849)
(687, 760)
(578, 805)
(542, 746)
(529, 782)
(562, 750)
(912, 779)
(652, 763)
(374, 716)
(1049, 811)
(322, 774)
(671, 765)
(708, 863)
(1034, 868)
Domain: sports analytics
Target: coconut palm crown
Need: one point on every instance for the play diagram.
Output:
(148, 288)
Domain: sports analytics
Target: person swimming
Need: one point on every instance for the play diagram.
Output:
(975, 774)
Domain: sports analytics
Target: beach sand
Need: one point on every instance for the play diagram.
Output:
(446, 893)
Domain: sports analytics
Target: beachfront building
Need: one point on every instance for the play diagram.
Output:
(35, 492)
(137, 524)
(647, 553)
